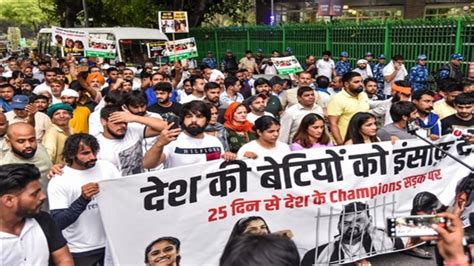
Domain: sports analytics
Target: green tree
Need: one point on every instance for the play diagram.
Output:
(27, 14)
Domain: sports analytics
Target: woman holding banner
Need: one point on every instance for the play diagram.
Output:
(362, 129)
(238, 128)
(311, 134)
(267, 129)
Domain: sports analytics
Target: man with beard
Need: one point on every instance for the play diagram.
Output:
(49, 76)
(26, 87)
(429, 122)
(28, 71)
(28, 113)
(357, 237)
(56, 135)
(3, 131)
(463, 118)
(71, 197)
(80, 117)
(402, 113)
(212, 91)
(257, 104)
(262, 86)
(345, 104)
(445, 107)
(167, 109)
(24, 148)
(123, 134)
(175, 148)
(28, 235)
(363, 69)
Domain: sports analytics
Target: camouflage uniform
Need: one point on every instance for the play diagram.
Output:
(419, 77)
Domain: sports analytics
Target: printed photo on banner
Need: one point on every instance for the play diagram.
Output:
(101, 45)
(333, 204)
(156, 49)
(287, 65)
(72, 41)
(181, 49)
(173, 21)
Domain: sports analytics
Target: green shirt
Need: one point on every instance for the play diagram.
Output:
(236, 140)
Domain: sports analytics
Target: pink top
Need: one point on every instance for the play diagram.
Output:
(297, 147)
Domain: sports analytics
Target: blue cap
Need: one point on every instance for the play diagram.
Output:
(259, 50)
(381, 56)
(422, 57)
(369, 54)
(457, 57)
(229, 51)
(19, 102)
(289, 50)
(209, 52)
(344, 54)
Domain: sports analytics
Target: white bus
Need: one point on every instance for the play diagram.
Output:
(132, 42)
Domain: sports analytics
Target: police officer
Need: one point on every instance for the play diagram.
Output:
(452, 69)
(343, 65)
(378, 75)
(419, 74)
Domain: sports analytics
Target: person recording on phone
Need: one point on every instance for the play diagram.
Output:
(450, 241)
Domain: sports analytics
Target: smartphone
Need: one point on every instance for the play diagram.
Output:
(414, 226)
(173, 119)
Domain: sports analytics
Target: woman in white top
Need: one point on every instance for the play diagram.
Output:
(267, 130)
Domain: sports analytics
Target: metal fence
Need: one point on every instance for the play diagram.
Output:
(436, 39)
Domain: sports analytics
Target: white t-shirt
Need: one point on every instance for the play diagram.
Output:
(387, 71)
(325, 68)
(253, 146)
(186, 150)
(29, 248)
(87, 232)
(126, 154)
(251, 117)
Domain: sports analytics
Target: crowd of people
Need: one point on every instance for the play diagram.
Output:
(67, 124)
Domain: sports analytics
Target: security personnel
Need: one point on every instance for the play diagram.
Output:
(343, 65)
(419, 74)
(452, 69)
(378, 75)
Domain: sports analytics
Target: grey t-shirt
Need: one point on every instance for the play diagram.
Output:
(391, 130)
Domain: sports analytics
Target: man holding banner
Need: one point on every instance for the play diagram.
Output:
(72, 199)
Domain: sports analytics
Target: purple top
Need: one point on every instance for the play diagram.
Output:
(297, 147)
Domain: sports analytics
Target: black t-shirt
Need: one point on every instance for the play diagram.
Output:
(53, 235)
(449, 123)
(166, 112)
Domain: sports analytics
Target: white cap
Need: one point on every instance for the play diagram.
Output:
(69, 93)
(362, 61)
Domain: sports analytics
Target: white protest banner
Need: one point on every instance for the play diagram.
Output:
(287, 65)
(101, 45)
(181, 49)
(310, 195)
(72, 41)
(173, 21)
